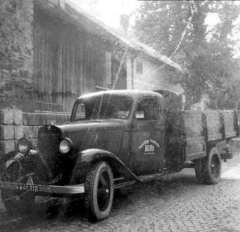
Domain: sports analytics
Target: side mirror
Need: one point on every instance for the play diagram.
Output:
(139, 115)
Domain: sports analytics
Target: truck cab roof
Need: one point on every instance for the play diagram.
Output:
(135, 94)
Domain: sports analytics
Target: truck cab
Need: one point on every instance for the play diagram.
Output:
(130, 124)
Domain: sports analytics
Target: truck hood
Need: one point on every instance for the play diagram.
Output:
(102, 134)
(91, 125)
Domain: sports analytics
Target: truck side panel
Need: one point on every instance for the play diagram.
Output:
(221, 124)
(194, 134)
(210, 128)
(214, 125)
(229, 119)
(175, 140)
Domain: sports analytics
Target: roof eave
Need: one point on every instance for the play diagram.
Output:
(75, 12)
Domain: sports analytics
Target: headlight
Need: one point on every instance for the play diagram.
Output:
(65, 146)
(24, 145)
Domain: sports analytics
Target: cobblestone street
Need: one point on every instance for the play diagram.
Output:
(178, 203)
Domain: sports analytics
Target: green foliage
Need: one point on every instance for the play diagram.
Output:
(207, 53)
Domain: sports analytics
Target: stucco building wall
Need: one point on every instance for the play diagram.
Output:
(144, 74)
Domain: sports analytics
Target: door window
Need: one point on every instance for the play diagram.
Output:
(81, 112)
(148, 109)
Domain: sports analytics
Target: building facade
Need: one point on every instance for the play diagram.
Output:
(51, 53)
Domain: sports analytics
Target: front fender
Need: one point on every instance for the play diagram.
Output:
(90, 156)
(6, 160)
(17, 157)
(31, 163)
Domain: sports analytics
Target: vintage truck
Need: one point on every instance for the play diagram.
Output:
(115, 139)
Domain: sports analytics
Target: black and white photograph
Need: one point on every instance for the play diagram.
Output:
(119, 115)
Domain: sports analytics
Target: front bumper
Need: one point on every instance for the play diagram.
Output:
(44, 189)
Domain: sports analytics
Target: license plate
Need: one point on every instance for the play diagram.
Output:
(26, 187)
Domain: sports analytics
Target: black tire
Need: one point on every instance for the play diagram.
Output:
(99, 191)
(213, 173)
(208, 170)
(14, 201)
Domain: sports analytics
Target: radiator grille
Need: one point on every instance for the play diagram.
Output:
(49, 138)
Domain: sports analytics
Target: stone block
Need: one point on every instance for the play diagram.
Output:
(6, 132)
(7, 146)
(18, 132)
(30, 131)
(59, 118)
(6, 116)
(35, 131)
(34, 143)
(27, 131)
(17, 119)
(49, 119)
(25, 119)
(31, 119)
(40, 119)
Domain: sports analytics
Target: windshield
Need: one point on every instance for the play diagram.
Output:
(103, 106)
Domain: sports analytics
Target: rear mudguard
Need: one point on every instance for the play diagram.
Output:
(90, 156)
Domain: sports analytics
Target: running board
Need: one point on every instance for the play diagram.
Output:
(145, 178)
(122, 182)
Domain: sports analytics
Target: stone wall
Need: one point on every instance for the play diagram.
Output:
(16, 51)
(15, 124)
(10, 129)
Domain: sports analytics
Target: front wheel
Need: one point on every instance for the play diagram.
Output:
(14, 201)
(208, 170)
(99, 191)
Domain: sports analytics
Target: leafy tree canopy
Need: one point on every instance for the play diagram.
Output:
(178, 29)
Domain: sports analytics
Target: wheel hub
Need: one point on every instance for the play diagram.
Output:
(103, 190)
(215, 166)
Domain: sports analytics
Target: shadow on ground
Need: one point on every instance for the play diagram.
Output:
(57, 211)
(63, 210)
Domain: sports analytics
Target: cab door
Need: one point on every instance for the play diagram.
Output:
(148, 145)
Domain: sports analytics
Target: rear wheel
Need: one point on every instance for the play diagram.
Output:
(99, 191)
(208, 170)
(214, 169)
